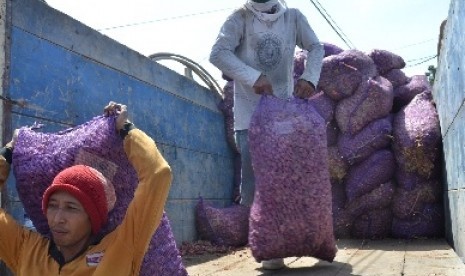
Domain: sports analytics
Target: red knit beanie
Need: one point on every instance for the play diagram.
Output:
(90, 187)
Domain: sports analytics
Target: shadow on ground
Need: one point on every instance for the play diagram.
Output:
(320, 268)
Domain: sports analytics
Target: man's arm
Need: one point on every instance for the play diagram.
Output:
(145, 211)
(11, 233)
(6, 154)
(223, 51)
(307, 40)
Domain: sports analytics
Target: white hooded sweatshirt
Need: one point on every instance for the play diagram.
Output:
(251, 43)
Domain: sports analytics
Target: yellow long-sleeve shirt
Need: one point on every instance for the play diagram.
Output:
(120, 252)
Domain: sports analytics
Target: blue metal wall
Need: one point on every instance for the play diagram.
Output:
(67, 72)
(449, 94)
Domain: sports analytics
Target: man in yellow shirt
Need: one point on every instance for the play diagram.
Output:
(76, 205)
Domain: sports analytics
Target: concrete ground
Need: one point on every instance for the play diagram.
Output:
(355, 257)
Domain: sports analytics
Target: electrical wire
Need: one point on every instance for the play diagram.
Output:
(333, 24)
(162, 19)
(423, 60)
(415, 44)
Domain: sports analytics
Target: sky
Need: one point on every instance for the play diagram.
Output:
(409, 28)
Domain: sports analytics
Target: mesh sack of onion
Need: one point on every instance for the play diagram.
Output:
(38, 157)
(292, 210)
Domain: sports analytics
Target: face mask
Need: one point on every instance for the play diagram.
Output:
(260, 9)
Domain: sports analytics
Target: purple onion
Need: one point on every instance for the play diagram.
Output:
(227, 226)
(375, 136)
(417, 136)
(38, 157)
(377, 169)
(386, 61)
(375, 224)
(341, 74)
(372, 100)
(291, 212)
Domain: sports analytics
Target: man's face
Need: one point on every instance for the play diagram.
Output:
(68, 221)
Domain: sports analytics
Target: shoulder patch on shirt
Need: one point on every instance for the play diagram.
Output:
(94, 258)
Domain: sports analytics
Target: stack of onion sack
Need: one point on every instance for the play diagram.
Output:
(301, 56)
(291, 212)
(378, 141)
(417, 205)
(222, 226)
(38, 157)
(226, 107)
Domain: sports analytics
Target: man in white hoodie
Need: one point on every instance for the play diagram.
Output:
(255, 47)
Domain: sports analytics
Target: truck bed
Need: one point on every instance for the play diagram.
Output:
(355, 257)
